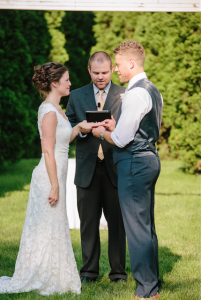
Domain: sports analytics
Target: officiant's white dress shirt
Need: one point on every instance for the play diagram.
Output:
(104, 95)
(136, 104)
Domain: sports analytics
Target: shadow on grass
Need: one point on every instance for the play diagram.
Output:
(8, 256)
(182, 194)
(189, 287)
(15, 177)
(167, 261)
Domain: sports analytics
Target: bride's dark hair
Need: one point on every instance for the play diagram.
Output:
(46, 74)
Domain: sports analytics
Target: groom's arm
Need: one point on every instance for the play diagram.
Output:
(106, 134)
(136, 104)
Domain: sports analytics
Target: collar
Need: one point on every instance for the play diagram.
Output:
(106, 89)
(136, 78)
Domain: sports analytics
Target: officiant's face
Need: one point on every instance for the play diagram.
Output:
(101, 73)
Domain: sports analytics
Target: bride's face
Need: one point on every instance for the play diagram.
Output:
(63, 88)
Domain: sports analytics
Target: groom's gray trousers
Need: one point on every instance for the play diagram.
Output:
(137, 177)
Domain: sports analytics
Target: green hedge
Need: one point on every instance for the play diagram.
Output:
(172, 42)
(25, 42)
(77, 27)
(30, 38)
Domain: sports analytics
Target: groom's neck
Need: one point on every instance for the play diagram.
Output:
(136, 72)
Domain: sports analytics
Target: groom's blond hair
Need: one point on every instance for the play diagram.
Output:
(131, 49)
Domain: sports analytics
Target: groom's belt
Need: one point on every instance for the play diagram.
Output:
(144, 153)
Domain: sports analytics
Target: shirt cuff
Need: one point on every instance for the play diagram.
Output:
(115, 140)
(82, 135)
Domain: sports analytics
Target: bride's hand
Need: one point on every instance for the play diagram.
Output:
(86, 127)
(54, 195)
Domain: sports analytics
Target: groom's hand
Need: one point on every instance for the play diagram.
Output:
(110, 124)
(97, 131)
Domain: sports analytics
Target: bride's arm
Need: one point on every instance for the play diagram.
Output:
(79, 127)
(49, 124)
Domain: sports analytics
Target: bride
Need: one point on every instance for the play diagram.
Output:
(45, 261)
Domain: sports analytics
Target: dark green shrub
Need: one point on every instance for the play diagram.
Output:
(77, 27)
(24, 43)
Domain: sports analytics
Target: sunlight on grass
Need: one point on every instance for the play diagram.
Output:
(177, 213)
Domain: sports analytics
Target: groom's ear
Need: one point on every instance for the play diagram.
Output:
(131, 63)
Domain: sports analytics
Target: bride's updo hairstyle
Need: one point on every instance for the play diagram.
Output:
(46, 74)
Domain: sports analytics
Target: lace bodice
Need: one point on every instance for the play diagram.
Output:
(63, 130)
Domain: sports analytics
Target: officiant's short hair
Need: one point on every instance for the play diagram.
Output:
(133, 49)
(100, 57)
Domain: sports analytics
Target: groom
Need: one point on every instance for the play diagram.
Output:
(96, 175)
(138, 164)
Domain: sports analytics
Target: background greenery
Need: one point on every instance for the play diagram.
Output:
(177, 213)
(25, 42)
(27, 39)
(172, 43)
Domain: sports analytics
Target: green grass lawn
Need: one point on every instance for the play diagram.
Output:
(177, 213)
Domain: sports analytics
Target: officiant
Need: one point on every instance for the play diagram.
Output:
(96, 174)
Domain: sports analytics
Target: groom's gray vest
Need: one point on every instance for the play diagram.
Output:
(148, 132)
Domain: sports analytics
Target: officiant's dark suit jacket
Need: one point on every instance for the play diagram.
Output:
(96, 187)
(82, 100)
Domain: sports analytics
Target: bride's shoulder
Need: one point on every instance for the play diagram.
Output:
(45, 108)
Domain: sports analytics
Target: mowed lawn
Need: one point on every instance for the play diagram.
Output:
(177, 213)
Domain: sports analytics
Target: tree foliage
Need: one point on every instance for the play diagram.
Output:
(77, 28)
(25, 42)
(112, 28)
(58, 52)
(30, 38)
(172, 42)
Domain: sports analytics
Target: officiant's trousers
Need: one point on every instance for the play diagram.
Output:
(136, 186)
(101, 194)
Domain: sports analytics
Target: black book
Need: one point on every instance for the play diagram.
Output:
(98, 116)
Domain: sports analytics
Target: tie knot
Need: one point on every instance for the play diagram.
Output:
(101, 92)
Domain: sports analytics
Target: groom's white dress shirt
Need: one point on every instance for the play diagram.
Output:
(136, 104)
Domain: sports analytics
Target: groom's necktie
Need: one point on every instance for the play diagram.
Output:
(100, 107)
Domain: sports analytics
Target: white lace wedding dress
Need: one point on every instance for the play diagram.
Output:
(45, 261)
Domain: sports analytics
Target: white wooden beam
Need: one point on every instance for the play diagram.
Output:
(104, 5)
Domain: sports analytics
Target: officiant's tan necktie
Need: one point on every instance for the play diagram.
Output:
(100, 107)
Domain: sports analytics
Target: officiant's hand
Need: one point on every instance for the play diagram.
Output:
(110, 124)
(97, 131)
